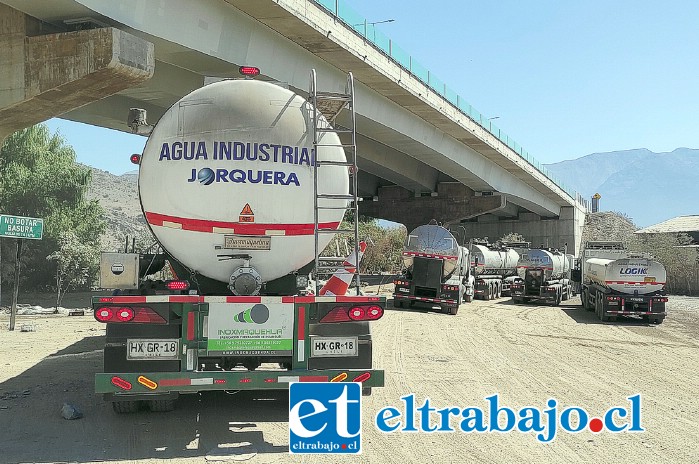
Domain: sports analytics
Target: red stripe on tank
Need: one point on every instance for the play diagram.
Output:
(201, 225)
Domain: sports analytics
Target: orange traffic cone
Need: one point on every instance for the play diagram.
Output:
(338, 284)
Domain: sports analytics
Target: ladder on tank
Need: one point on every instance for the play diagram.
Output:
(326, 107)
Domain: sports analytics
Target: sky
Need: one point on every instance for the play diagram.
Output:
(563, 78)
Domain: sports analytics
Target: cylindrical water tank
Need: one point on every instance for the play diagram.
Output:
(227, 172)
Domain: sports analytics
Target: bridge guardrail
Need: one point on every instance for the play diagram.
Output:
(342, 11)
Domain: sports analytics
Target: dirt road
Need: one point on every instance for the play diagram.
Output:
(526, 354)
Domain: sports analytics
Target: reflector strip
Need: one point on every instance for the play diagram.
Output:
(302, 350)
(243, 299)
(183, 299)
(190, 326)
(302, 323)
(339, 377)
(174, 382)
(288, 378)
(199, 225)
(240, 299)
(313, 378)
(205, 381)
(146, 382)
(219, 381)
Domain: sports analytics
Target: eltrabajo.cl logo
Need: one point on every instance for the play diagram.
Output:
(325, 417)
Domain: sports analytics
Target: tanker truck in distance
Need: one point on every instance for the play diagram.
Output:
(618, 282)
(544, 276)
(436, 270)
(240, 182)
(495, 269)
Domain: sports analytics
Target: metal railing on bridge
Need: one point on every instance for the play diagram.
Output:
(354, 21)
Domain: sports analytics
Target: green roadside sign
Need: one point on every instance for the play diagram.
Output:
(21, 227)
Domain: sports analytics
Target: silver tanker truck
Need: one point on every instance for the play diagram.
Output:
(545, 276)
(436, 270)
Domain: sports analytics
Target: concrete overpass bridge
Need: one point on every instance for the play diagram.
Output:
(424, 152)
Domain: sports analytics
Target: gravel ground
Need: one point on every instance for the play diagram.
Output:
(527, 354)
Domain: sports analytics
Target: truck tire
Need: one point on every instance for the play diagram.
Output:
(453, 310)
(468, 298)
(516, 300)
(600, 302)
(657, 319)
(161, 405)
(366, 391)
(126, 407)
(584, 302)
(557, 301)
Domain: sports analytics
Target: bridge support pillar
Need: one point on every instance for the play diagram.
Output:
(451, 203)
(44, 73)
(550, 232)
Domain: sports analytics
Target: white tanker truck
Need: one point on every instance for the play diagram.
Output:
(436, 270)
(226, 184)
(495, 269)
(618, 282)
(544, 276)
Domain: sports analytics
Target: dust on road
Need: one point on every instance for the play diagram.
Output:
(526, 354)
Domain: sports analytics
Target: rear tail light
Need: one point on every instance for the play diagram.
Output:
(124, 314)
(121, 383)
(613, 298)
(140, 314)
(374, 313)
(355, 313)
(450, 288)
(362, 377)
(180, 285)
(660, 300)
(104, 314)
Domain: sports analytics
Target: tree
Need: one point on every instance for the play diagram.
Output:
(385, 245)
(76, 262)
(40, 178)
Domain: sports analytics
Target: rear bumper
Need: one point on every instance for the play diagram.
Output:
(636, 313)
(398, 296)
(166, 383)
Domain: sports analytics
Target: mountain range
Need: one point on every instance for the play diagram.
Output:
(648, 187)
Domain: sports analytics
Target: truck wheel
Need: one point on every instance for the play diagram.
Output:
(468, 298)
(366, 391)
(657, 319)
(125, 407)
(557, 301)
(161, 405)
(516, 300)
(453, 310)
(397, 303)
(583, 301)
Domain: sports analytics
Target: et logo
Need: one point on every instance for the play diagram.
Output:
(325, 417)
